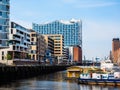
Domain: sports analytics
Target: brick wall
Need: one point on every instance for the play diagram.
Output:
(77, 54)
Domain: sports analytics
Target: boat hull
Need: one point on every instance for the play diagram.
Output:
(114, 82)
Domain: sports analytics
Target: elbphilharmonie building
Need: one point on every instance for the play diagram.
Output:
(71, 30)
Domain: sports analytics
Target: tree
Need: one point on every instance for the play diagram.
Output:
(9, 57)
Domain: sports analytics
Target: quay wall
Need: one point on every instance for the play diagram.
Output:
(8, 73)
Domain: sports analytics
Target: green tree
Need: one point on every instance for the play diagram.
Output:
(9, 57)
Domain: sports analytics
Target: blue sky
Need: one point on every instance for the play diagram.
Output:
(100, 18)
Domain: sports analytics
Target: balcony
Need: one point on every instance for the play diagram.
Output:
(16, 38)
(27, 41)
(19, 34)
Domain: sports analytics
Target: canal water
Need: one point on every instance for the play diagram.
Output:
(54, 81)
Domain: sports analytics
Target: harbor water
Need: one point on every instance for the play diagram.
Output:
(54, 81)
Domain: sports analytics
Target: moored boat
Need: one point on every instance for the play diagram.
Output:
(114, 82)
(100, 79)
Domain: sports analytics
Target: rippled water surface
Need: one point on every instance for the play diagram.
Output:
(54, 81)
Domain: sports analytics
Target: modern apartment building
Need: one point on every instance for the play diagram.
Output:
(49, 44)
(4, 23)
(66, 55)
(58, 46)
(49, 57)
(41, 47)
(38, 46)
(71, 30)
(33, 45)
(116, 50)
(19, 41)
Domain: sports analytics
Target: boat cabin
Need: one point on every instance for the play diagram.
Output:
(74, 71)
(99, 76)
(85, 76)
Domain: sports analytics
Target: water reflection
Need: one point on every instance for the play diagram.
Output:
(54, 81)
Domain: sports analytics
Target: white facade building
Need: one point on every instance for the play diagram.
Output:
(19, 41)
(71, 53)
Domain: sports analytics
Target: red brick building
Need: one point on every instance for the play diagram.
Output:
(116, 50)
(77, 54)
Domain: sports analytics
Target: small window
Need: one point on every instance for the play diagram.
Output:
(2, 52)
(0, 13)
(2, 57)
(13, 47)
(11, 31)
(0, 41)
(0, 27)
(32, 39)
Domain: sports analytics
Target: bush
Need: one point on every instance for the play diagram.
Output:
(9, 57)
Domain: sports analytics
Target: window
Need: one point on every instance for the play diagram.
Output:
(57, 41)
(33, 43)
(11, 31)
(13, 47)
(0, 27)
(2, 57)
(2, 52)
(32, 39)
(33, 51)
(57, 44)
(57, 38)
(57, 50)
(0, 13)
(33, 35)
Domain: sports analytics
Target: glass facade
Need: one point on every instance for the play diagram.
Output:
(71, 30)
(4, 22)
